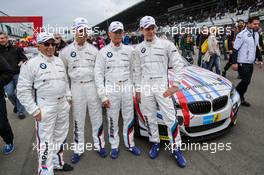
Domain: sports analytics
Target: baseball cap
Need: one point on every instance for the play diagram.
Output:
(44, 36)
(147, 21)
(115, 25)
(80, 23)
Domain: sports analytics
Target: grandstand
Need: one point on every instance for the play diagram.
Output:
(16, 30)
(188, 13)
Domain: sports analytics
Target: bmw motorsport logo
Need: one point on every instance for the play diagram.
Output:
(73, 54)
(109, 54)
(43, 66)
(143, 50)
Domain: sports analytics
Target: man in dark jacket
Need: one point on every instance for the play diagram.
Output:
(5, 128)
(14, 57)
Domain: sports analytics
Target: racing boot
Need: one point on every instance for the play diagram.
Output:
(154, 151)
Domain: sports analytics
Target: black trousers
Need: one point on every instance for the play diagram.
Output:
(245, 72)
(5, 128)
(229, 63)
(199, 61)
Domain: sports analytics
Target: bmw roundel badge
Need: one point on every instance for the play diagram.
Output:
(109, 54)
(43, 66)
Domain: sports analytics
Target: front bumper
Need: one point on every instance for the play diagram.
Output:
(204, 132)
(226, 116)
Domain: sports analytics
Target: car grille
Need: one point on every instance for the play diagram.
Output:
(219, 103)
(204, 107)
(201, 128)
(200, 107)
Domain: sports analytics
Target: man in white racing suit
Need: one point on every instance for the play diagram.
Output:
(44, 90)
(113, 78)
(153, 57)
(79, 59)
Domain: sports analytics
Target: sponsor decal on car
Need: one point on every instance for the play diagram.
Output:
(209, 119)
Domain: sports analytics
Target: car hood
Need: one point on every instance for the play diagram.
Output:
(197, 81)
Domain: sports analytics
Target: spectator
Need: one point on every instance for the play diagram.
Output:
(134, 39)
(202, 37)
(15, 57)
(60, 44)
(187, 46)
(126, 40)
(230, 43)
(5, 128)
(100, 42)
(176, 39)
(30, 51)
(214, 52)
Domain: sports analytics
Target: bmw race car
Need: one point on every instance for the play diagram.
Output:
(206, 105)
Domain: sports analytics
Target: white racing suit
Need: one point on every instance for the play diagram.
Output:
(79, 62)
(113, 77)
(43, 87)
(152, 60)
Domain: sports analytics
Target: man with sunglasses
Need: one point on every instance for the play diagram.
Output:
(45, 77)
(79, 59)
(153, 57)
(113, 78)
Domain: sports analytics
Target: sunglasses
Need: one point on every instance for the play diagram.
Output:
(47, 44)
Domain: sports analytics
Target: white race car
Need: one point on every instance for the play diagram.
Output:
(206, 105)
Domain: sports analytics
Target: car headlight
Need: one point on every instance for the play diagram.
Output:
(232, 91)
